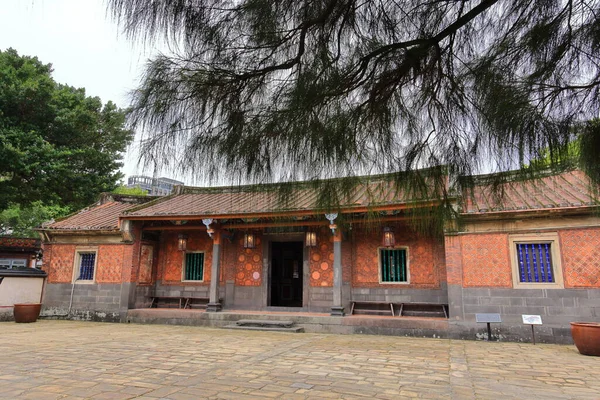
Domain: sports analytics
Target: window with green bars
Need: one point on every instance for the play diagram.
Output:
(194, 267)
(394, 265)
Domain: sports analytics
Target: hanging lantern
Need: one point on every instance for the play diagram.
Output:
(207, 222)
(182, 242)
(331, 217)
(311, 239)
(249, 241)
(389, 240)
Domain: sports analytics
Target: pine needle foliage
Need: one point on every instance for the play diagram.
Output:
(286, 90)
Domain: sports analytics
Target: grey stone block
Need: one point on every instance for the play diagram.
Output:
(476, 292)
(500, 292)
(520, 310)
(543, 301)
(570, 301)
(580, 293)
(516, 301)
(577, 312)
(479, 309)
(594, 302)
(455, 312)
(594, 293)
(501, 301)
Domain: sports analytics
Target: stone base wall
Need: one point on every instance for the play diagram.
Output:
(434, 296)
(181, 290)
(6, 314)
(90, 302)
(557, 307)
(246, 298)
(320, 299)
(142, 296)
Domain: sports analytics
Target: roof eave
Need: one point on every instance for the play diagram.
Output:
(531, 213)
(282, 213)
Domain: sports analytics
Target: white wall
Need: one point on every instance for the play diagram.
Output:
(20, 290)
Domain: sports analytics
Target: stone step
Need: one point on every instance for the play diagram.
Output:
(265, 323)
(295, 329)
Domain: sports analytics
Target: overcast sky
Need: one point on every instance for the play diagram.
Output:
(82, 43)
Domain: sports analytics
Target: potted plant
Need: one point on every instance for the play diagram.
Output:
(27, 312)
(586, 336)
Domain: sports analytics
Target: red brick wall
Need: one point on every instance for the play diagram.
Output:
(453, 251)
(228, 258)
(321, 259)
(111, 261)
(486, 260)
(58, 262)
(580, 249)
(248, 262)
(170, 259)
(426, 259)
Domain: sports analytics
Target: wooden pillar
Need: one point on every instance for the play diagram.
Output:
(337, 309)
(213, 299)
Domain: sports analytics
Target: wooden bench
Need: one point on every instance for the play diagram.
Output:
(423, 310)
(196, 302)
(179, 302)
(401, 309)
(167, 301)
(372, 308)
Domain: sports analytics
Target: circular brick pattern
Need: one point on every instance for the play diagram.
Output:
(321, 260)
(249, 266)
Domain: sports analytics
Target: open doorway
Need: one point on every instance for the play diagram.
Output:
(286, 274)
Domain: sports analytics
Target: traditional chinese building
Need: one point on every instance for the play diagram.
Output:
(235, 250)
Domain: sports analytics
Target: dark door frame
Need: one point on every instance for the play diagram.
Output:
(266, 282)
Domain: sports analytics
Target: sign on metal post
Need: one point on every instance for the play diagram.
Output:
(488, 318)
(532, 320)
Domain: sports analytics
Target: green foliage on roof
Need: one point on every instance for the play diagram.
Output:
(132, 191)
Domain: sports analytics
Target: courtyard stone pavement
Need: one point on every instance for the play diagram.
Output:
(77, 360)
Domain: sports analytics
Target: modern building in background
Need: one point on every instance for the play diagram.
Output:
(153, 186)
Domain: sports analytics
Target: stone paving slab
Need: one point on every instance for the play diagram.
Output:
(86, 360)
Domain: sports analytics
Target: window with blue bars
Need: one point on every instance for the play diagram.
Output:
(87, 263)
(393, 265)
(194, 267)
(535, 263)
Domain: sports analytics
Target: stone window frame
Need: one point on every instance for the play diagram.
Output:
(10, 261)
(184, 266)
(77, 264)
(535, 238)
(406, 249)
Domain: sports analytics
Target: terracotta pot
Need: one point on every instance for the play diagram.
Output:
(27, 312)
(586, 336)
